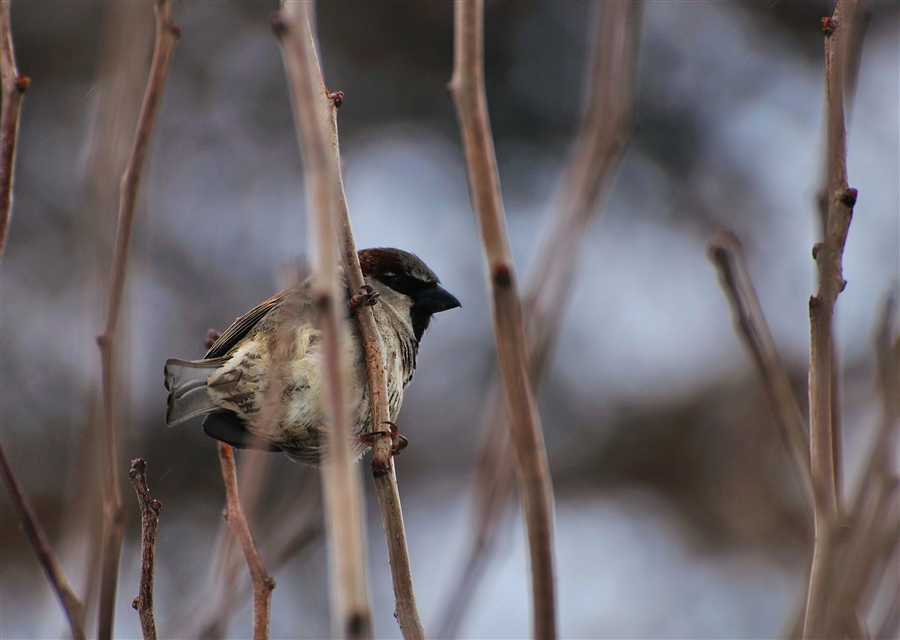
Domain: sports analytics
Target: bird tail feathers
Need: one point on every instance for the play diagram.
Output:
(186, 384)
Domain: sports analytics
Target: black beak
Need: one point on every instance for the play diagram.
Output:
(436, 299)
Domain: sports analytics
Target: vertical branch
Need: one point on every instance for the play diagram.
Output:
(69, 601)
(150, 509)
(828, 256)
(12, 89)
(351, 610)
(234, 515)
(467, 88)
(606, 130)
(167, 34)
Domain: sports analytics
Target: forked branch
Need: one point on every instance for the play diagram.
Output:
(467, 88)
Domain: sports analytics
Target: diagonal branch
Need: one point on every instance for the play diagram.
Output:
(167, 34)
(150, 509)
(234, 515)
(467, 88)
(829, 257)
(726, 253)
(313, 118)
(69, 601)
(12, 89)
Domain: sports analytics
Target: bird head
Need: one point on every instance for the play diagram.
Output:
(405, 274)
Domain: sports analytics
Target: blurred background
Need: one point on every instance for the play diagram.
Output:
(677, 512)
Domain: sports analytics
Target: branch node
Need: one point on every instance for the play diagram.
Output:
(815, 250)
(174, 29)
(337, 98)
(22, 83)
(829, 25)
(278, 24)
(502, 276)
(849, 196)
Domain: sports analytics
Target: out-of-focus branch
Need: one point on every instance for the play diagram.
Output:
(234, 515)
(313, 108)
(467, 88)
(167, 34)
(12, 89)
(726, 254)
(70, 602)
(828, 256)
(870, 520)
(150, 509)
(606, 130)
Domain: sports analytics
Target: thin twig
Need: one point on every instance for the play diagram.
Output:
(69, 601)
(313, 109)
(726, 254)
(150, 508)
(828, 256)
(467, 88)
(234, 515)
(167, 34)
(12, 89)
(606, 130)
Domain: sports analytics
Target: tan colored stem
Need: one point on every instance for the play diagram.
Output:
(351, 608)
(828, 256)
(606, 130)
(467, 88)
(234, 516)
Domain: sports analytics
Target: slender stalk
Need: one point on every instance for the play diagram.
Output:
(150, 509)
(726, 254)
(828, 256)
(71, 605)
(234, 516)
(606, 130)
(167, 34)
(467, 88)
(12, 90)
(351, 609)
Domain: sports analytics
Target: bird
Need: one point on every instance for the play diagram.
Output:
(260, 385)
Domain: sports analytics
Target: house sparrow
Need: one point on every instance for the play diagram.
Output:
(278, 342)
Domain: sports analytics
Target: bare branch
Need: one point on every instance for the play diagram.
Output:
(313, 118)
(167, 34)
(828, 256)
(70, 602)
(234, 515)
(150, 509)
(467, 88)
(726, 253)
(606, 130)
(12, 89)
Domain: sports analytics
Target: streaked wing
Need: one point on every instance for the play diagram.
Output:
(242, 326)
